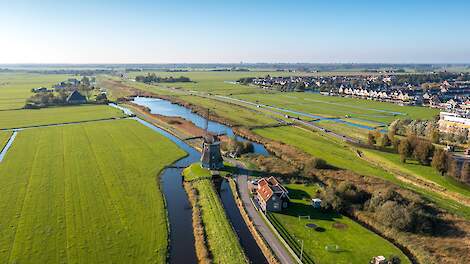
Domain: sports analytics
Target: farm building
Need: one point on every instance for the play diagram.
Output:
(272, 196)
(76, 98)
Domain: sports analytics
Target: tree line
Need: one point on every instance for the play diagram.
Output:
(422, 150)
(152, 78)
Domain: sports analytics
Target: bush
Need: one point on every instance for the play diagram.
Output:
(315, 163)
(384, 141)
(439, 161)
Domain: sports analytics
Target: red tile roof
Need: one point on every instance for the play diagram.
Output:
(268, 186)
(265, 192)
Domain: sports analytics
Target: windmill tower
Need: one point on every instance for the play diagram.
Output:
(211, 157)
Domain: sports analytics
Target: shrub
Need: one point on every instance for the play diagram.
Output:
(439, 161)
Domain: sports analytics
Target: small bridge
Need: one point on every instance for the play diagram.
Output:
(197, 137)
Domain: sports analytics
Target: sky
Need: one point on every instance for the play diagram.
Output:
(202, 31)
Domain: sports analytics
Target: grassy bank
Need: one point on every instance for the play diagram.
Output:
(335, 152)
(56, 115)
(330, 230)
(413, 168)
(222, 240)
(85, 193)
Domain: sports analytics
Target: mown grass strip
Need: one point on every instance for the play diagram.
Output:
(221, 238)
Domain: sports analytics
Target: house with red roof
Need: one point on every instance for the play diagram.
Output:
(271, 195)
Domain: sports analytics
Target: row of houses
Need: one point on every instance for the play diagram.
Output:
(433, 90)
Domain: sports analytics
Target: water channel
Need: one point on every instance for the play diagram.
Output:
(179, 209)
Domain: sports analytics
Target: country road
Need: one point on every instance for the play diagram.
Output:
(279, 250)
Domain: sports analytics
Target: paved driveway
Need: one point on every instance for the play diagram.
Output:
(281, 253)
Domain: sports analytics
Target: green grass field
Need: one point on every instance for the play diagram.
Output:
(413, 168)
(15, 88)
(342, 129)
(356, 243)
(221, 238)
(56, 115)
(332, 106)
(239, 115)
(336, 153)
(85, 193)
(217, 82)
(4, 136)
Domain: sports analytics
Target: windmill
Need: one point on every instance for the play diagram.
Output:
(211, 157)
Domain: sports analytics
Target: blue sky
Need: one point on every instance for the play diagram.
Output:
(316, 31)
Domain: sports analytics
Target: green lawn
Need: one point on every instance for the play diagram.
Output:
(196, 172)
(413, 168)
(15, 88)
(333, 106)
(4, 136)
(85, 193)
(356, 243)
(56, 115)
(221, 238)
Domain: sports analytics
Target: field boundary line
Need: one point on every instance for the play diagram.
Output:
(63, 124)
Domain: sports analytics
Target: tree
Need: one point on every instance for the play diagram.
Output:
(393, 260)
(453, 168)
(315, 163)
(405, 150)
(371, 138)
(331, 201)
(384, 141)
(439, 161)
(433, 135)
(465, 173)
(395, 143)
(423, 151)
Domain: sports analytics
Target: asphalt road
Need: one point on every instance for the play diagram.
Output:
(281, 253)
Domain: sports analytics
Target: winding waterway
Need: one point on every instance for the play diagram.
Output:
(166, 108)
(179, 209)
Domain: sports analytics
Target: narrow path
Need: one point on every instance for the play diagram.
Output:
(8, 145)
(281, 252)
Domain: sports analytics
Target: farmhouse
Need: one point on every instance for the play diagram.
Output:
(272, 196)
(76, 98)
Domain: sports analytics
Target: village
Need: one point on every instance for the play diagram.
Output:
(437, 90)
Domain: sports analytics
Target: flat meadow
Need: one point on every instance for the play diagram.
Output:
(56, 115)
(15, 88)
(355, 243)
(85, 193)
(333, 106)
